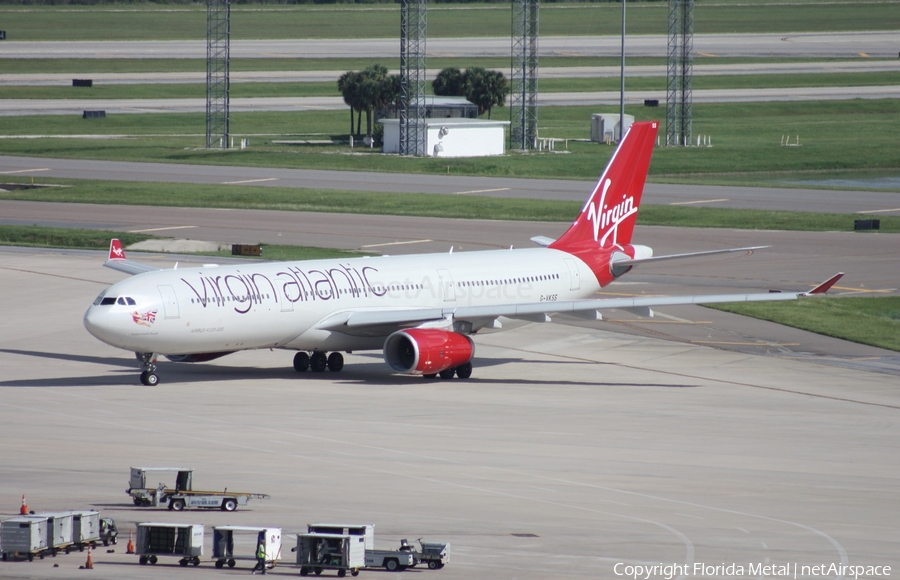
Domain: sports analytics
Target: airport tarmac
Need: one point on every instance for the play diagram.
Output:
(571, 449)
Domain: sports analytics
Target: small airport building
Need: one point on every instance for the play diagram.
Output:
(453, 129)
(453, 137)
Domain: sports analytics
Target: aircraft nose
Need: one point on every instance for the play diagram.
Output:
(96, 321)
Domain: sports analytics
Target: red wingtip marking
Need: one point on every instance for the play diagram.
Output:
(115, 250)
(827, 284)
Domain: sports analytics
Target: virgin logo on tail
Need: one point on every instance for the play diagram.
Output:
(115, 250)
(606, 218)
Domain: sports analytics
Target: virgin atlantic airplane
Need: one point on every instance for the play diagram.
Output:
(421, 310)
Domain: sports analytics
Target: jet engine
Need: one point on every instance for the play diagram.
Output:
(427, 351)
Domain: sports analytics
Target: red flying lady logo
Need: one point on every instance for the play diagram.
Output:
(145, 319)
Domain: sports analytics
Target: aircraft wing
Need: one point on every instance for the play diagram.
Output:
(118, 261)
(380, 322)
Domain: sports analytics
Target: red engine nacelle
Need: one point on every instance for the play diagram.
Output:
(425, 351)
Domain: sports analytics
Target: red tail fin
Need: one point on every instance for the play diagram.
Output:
(115, 250)
(608, 217)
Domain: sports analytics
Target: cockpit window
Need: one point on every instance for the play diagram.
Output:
(121, 301)
(130, 301)
(107, 300)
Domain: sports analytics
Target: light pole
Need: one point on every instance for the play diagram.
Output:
(622, 74)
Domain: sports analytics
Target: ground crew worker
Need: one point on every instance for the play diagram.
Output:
(260, 555)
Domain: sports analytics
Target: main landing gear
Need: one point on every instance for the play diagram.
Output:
(318, 362)
(148, 368)
(463, 371)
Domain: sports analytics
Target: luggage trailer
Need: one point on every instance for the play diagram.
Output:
(233, 543)
(169, 540)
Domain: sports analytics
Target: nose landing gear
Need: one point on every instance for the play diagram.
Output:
(148, 368)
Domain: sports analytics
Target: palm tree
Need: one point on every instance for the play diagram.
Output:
(450, 82)
(486, 89)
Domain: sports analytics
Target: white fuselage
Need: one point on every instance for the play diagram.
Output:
(279, 304)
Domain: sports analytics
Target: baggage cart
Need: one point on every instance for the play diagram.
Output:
(367, 531)
(85, 528)
(169, 540)
(340, 552)
(60, 530)
(23, 537)
(232, 543)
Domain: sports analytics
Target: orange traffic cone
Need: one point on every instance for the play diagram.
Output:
(24, 509)
(130, 548)
(89, 565)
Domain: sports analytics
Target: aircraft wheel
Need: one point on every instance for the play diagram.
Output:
(447, 373)
(464, 371)
(318, 362)
(149, 379)
(430, 375)
(301, 362)
(335, 362)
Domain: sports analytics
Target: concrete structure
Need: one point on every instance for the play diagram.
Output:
(453, 137)
(605, 127)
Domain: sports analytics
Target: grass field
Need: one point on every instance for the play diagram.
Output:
(183, 22)
(835, 136)
(872, 321)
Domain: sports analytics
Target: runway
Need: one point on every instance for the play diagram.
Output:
(571, 450)
(318, 76)
(872, 44)
(19, 107)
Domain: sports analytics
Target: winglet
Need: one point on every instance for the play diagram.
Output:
(116, 252)
(826, 285)
(118, 261)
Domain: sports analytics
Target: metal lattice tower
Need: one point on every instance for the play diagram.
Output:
(523, 109)
(413, 35)
(218, 41)
(680, 73)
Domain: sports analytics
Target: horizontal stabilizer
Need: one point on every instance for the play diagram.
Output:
(636, 261)
(543, 240)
